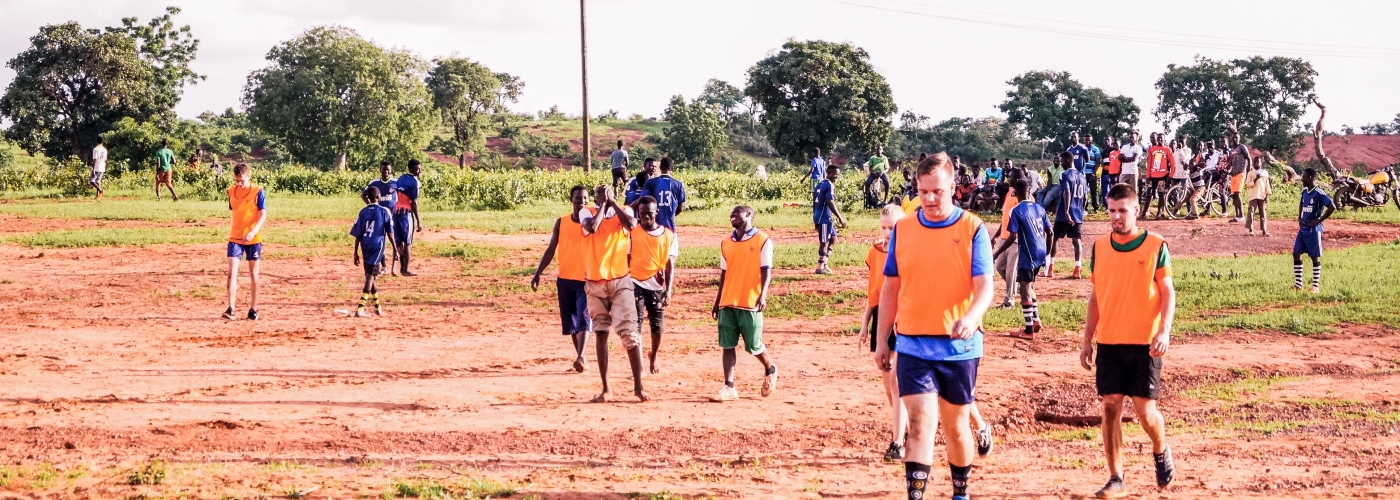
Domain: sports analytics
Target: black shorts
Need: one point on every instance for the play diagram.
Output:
(1127, 369)
(619, 174)
(1066, 228)
(875, 330)
(373, 269)
(649, 303)
(1026, 274)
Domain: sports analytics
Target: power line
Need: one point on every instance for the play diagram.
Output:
(1127, 38)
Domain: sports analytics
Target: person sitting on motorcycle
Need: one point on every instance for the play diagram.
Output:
(875, 170)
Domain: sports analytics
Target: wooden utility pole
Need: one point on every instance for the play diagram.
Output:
(583, 43)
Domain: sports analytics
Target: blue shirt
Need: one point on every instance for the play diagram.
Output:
(1072, 183)
(1095, 157)
(1310, 205)
(634, 191)
(371, 226)
(409, 186)
(669, 194)
(944, 348)
(818, 168)
(1081, 156)
(1029, 222)
(993, 174)
(388, 192)
(821, 196)
(262, 200)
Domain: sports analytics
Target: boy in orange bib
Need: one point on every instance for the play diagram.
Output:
(567, 241)
(655, 249)
(248, 202)
(745, 270)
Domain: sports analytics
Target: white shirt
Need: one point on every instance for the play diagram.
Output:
(1213, 160)
(99, 159)
(1182, 154)
(584, 216)
(654, 284)
(765, 256)
(1135, 151)
(1034, 183)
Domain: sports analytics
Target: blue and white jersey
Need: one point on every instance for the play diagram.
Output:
(1073, 184)
(371, 226)
(388, 192)
(1310, 205)
(669, 194)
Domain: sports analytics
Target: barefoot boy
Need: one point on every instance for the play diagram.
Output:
(611, 295)
(371, 230)
(248, 202)
(745, 264)
(655, 249)
(568, 243)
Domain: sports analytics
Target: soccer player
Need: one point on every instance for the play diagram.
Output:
(823, 207)
(1260, 188)
(248, 202)
(1129, 320)
(388, 189)
(373, 235)
(165, 165)
(406, 220)
(938, 305)
(99, 167)
(1159, 171)
(619, 166)
(1069, 217)
(745, 271)
(611, 298)
(1028, 228)
(818, 167)
(669, 193)
(870, 325)
(1314, 206)
(1240, 160)
(634, 189)
(655, 249)
(567, 241)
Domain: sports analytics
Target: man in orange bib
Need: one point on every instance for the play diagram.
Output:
(611, 301)
(745, 270)
(936, 307)
(248, 202)
(1130, 316)
(655, 249)
(567, 241)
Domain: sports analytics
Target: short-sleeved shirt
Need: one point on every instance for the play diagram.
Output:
(1259, 186)
(821, 199)
(99, 159)
(818, 168)
(1052, 173)
(1310, 205)
(939, 347)
(991, 174)
(1029, 222)
(1181, 157)
(765, 254)
(669, 194)
(1076, 187)
(388, 192)
(407, 188)
(165, 159)
(1135, 151)
(878, 164)
(1212, 160)
(1239, 159)
(1081, 156)
(633, 193)
(1095, 158)
(371, 226)
(619, 158)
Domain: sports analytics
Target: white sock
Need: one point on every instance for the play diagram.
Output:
(1076, 264)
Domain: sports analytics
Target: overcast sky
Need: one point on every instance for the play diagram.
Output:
(942, 58)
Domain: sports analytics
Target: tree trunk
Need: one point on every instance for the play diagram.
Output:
(462, 160)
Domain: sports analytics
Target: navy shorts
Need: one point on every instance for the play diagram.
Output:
(246, 252)
(826, 233)
(403, 228)
(373, 254)
(1308, 242)
(954, 381)
(1026, 274)
(573, 307)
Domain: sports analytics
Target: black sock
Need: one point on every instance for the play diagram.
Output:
(916, 479)
(960, 478)
(771, 369)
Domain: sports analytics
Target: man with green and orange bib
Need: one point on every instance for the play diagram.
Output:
(936, 307)
(248, 202)
(567, 241)
(745, 271)
(612, 301)
(1129, 320)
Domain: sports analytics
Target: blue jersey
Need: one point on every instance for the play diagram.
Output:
(388, 192)
(1072, 184)
(1310, 205)
(407, 187)
(1030, 223)
(1095, 157)
(818, 168)
(634, 192)
(669, 194)
(942, 347)
(1081, 156)
(821, 197)
(371, 227)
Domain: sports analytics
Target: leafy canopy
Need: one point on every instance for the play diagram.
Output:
(1263, 97)
(695, 134)
(467, 94)
(973, 139)
(332, 97)
(1052, 104)
(816, 93)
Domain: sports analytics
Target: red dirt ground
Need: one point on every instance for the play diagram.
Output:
(114, 356)
(1346, 150)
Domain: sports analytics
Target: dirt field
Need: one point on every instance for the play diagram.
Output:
(116, 356)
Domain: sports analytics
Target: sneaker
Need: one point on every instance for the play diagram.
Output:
(360, 312)
(228, 313)
(984, 441)
(770, 381)
(895, 452)
(726, 393)
(1006, 305)
(961, 497)
(1076, 274)
(1165, 468)
(1192, 217)
(1234, 219)
(1314, 289)
(819, 270)
(378, 309)
(253, 314)
(1114, 489)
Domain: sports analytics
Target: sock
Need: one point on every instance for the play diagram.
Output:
(1317, 275)
(916, 479)
(374, 297)
(1035, 312)
(1298, 275)
(1076, 263)
(364, 298)
(1027, 314)
(960, 475)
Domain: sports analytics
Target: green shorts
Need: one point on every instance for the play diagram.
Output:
(735, 323)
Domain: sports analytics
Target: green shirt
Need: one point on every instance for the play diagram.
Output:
(165, 159)
(877, 164)
(1053, 172)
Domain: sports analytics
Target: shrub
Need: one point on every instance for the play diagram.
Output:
(152, 472)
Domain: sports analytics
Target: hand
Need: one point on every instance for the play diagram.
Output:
(882, 357)
(249, 236)
(418, 228)
(1086, 356)
(762, 304)
(965, 327)
(357, 259)
(1160, 343)
(714, 313)
(860, 341)
(535, 283)
(842, 221)
(665, 299)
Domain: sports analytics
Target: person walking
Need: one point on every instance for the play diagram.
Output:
(567, 242)
(165, 167)
(1128, 323)
(619, 167)
(745, 272)
(1069, 218)
(1260, 187)
(611, 298)
(99, 167)
(1028, 229)
(818, 170)
(870, 326)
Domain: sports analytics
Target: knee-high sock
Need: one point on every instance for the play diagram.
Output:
(1298, 275)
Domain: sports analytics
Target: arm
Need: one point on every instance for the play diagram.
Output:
(864, 325)
(1006, 242)
(766, 275)
(831, 204)
(1091, 323)
(680, 200)
(623, 215)
(889, 302)
(590, 225)
(670, 277)
(357, 251)
(967, 325)
(547, 257)
(262, 217)
(1167, 295)
(1326, 212)
(417, 223)
(718, 293)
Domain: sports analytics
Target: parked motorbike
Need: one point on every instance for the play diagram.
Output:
(1374, 190)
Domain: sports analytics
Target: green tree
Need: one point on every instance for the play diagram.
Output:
(1052, 104)
(467, 94)
(332, 97)
(1263, 97)
(168, 50)
(723, 96)
(815, 94)
(973, 139)
(696, 131)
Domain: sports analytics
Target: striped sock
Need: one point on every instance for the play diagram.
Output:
(364, 298)
(1028, 312)
(1317, 275)
(1297, 275)
(1035, 312)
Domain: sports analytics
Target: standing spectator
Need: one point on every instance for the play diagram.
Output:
(1112, 168)
(1159, 170)
(1240, 159)
(875, 170)
(1181, 163)
(1094, 170)
(619, 166)
(99, 167)
(1259, 190)
(1129, 154)
(1079, 152)
(669, 193)
(818, 168)
(1198, 183)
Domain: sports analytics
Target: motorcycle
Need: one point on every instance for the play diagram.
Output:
(1374, 190)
